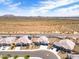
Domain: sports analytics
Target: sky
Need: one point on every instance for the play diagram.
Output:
(60, 8)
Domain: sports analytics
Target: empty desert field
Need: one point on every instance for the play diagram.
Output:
(37, 25)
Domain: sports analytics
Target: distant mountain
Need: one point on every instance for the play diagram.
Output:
(8, 15)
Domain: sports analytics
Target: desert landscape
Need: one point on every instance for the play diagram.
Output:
(39, 29)
(15, 25)
(38, 25)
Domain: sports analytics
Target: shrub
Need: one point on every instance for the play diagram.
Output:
(26, 56)
(5, 57)
(15, 57)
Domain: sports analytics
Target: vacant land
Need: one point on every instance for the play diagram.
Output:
(37, 25)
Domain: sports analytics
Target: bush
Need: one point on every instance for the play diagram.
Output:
(5, 57)
(15, 57)
(26, 56)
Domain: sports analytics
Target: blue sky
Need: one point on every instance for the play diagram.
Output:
(40, 7)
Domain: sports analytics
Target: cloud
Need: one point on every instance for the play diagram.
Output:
(56, 8)
(10, 4)
(11, 7)
(14, 6)
(44, 8)
(5, 2)
(2, 1)
(65, 12)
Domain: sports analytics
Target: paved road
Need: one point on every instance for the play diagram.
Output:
(40, 53)
(48, 35)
